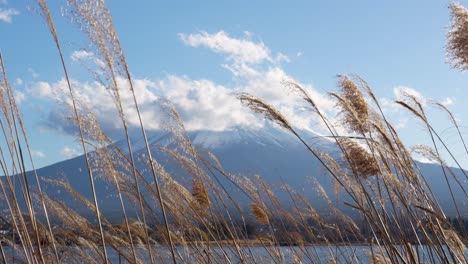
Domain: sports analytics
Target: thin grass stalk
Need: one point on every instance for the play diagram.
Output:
(433, 132)
(420, 114)
(259, 106)
(309, 100)
(14, 209)
(112, 170)
(198, 216)
(16, 111)
(68, 215)
(118, 102)
(14, 199)
(284, 124)
(201, 175)
(16, 116)
(454, 122)
(3, 252)
(116, 50)
(376, 102)
(46, 12)
(195, 210)
(29, 203)
(150, 158)
(132, 159)
(16, 226)
(393, 133)
(11, 143)
(368, 141)
(410, 210)
(242, 258)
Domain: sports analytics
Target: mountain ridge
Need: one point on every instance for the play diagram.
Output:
(273, 153)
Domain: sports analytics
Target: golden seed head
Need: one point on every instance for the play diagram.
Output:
(457, 37)
(200, 194)
(259, 213)
(353, 106)
(360, 160)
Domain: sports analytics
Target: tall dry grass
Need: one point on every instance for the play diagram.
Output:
(199, 220)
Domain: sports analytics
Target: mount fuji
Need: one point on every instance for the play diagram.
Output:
(273, 153)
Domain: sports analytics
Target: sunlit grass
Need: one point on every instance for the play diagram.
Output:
(396, 210)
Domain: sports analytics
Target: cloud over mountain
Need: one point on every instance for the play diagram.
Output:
(202, 103)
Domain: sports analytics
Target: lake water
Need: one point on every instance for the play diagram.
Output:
(253, 254)
(259, 254)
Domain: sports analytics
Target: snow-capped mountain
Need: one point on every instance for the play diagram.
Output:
(272, 153)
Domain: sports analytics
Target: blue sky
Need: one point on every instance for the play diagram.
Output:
(197, 53)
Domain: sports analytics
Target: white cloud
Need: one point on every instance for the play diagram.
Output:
(248, 34)
(37, 154)
(448, 101)
(402, 122)
(401, 93)
(3, 2)
(244, 57)
(41, 89)
(33, 73)
(395, 112)
(19, 96)
(82, 55)
(19, 81)
(6, 15)
(70, 152)
(239, 50)
(205, 105)
(388, 105)
(202, 104)
(281, 57)
(299, 54)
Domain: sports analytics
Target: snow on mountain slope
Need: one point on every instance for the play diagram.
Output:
(272, 153)
(219, 139)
